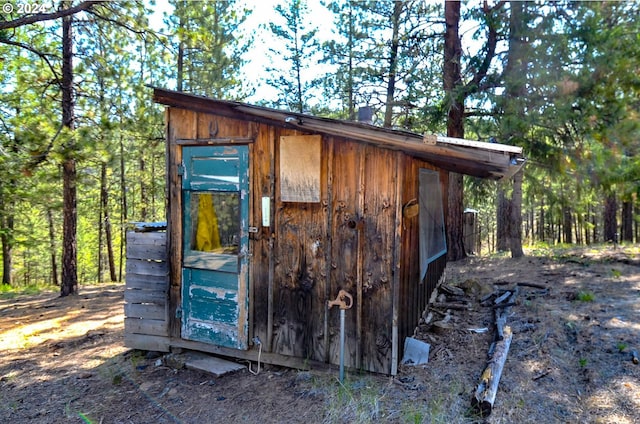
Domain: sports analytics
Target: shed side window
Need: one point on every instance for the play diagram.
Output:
(433, 242)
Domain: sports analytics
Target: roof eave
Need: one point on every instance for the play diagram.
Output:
(479, 159)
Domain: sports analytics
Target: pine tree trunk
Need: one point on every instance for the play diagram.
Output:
(515, 224)
(541, 223)
(104, 205)
(636, 226)
(144, 200)
(70, 218)
(455, 127)
(70, 215)
(514, 128)
(610, 219)
(502, 221)
(627, 221)
(123, 205)
(567, 224)
(180, 65)
(52, 247)
(6, 235)
(393, 63)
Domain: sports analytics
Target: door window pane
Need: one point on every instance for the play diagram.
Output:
(215, 222)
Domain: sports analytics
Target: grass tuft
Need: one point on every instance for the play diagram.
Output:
(586, 296)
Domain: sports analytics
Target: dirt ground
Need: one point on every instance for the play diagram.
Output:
(62, 360)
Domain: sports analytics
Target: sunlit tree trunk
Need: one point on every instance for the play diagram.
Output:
(69, 283)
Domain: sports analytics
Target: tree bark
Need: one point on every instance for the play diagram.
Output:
(515, 232)
(393, 63)
(502, 220)
(144, 200)
(70, 214)
(52, 247)
(627, 221)
(6, 235)
(610, 219)
(104, 204)
(514, 125)
(123, 203)
(485, 394)
(567, 224)
(452, 81)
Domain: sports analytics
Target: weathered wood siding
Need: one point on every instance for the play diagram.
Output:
(146, 323)
(353, 239)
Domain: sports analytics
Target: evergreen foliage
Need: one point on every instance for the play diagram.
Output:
(569, 94)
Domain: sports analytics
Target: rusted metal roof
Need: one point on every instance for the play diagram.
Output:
(479, 159)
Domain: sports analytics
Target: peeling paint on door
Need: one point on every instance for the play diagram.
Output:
(214, 290)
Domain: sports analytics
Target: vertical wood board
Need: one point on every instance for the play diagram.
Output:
(346, 225)
(299, 275)
(379, 233)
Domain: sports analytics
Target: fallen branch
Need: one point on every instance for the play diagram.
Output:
(534, 285)
(502, 312)
(450, 305)
(504, 296)
(542, 374)
(485, 394)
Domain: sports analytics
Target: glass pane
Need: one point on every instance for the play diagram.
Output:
(433, 242)
(215, 222)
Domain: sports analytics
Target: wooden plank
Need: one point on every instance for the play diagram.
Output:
(479, 144)
(146, 311)
(330, 151)
(214, 141)
(379, 233)
(152, 327)
(214, 127)
(299, 250)
(210, 364)
(252, 355)
(181, 124)
(261, 243)
(362, 246)
(146, 251)
(144, 267)
(147, 282)
(145, 296)
(154, 238)
(344, 244)
(396, 265)
(146, 342)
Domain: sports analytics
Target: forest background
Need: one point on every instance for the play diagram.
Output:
(82, 144)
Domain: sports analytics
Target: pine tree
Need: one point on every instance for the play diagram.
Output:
(299, 43)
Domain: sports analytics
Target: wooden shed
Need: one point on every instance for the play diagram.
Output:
(272, 213)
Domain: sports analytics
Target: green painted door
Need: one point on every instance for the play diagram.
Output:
(215, 189)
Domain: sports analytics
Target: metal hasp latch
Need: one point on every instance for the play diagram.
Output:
(343, 305)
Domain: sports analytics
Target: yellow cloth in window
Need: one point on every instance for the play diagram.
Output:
(207, 234)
